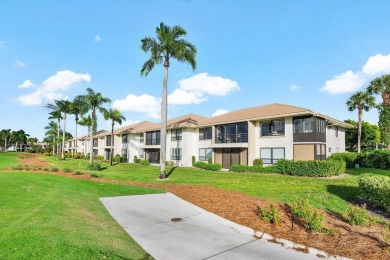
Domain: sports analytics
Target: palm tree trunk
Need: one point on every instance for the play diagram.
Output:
(54, 144)
(91, 151)
(112, 142)
(359, 128)
(58, 135)
(5, 144)
(63, 139)
(163, 132)
(76, 138)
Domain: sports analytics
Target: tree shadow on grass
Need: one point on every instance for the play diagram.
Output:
(171, 171)
(348, 193)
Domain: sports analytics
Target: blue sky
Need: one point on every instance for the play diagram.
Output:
(313, 54)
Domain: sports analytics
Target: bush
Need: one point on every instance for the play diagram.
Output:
(95, 166)
(144, 162)
(301, 209)
(379, 159)
(208, 166)
(313, 219)
(348, 157)
(54, 169)
(376, 189)
(255, 168)
(311, 168)
(94, 175)
(67, 170)
(210, 160)
(78, 173)
(98, 157)
(136, 160)
(193, 160)
(258, 162)
(357, 216)
(271, 214)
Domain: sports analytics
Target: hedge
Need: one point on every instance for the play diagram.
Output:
(376, 189)
(255, 168)
(316, 168)
(348, 157)
(379, 159)
(208, 166)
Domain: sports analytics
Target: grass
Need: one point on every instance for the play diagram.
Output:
(53, 217)
(324, 193)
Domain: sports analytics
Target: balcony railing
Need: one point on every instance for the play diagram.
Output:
(232, 138)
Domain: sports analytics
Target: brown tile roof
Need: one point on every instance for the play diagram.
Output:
(189, 120)
(101, 133)
(137, 127)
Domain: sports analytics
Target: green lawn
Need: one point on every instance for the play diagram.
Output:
(330, 194)
(53, 217)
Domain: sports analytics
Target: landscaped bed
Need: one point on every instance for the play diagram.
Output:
(237, 197)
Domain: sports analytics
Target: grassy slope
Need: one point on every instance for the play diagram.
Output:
(52, 217)
(329, 194)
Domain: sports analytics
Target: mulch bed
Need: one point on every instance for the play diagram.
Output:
(349, 241)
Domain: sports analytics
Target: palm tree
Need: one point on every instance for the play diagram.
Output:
(5, 134)
(87, 121)
(381, 85)
(169, 44)
(115, 116)
(360, 101)
(94, 101)
(78, 108)
(51, 133)
(19, 138)
(64, 106)
(56, 114)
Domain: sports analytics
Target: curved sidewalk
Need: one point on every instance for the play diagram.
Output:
(199, 235)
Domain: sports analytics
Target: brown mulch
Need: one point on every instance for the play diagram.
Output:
(345, 240)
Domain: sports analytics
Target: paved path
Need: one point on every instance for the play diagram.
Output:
(199, 235)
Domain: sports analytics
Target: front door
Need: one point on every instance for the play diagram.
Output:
(154, 155)
(230, 156)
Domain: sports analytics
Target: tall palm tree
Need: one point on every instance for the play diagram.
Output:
(51, 132)
(115, 116)
(19, 138)
(56, 114)
(5, 134)
(64, 106)
(168, 44)
(86, 121)
(360, 101)
(78, 107)
(94, 102)
(381, 85)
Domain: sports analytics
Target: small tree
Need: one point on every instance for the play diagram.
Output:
(115, 116)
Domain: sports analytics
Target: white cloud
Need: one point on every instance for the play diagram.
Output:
(145, 103)
(207, 84)
(19, 64)
(97, 38)
(377, 64)
(294, 87)
(183, 97)
(344, 83)
(27, 84)
(220, 112)
(53, 87)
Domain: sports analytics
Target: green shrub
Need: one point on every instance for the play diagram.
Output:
(67, 169)
(94, 175)
(54, 169)
(258, 162)
(255, 168)
(98, 157)
(376, 189)
(208, 166)
(144, 162)
(316, 168)
(136, 160)
(193, 160)
(169, 163)
(302, 208)
(46, 169)
(357, 216)
(271, 214)
(315, 221)
(348, 157)
(95, 166)
(210, 160)
(78, 173)
(379, 159)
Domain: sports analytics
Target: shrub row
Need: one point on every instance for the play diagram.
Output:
(323, 168)
(208, 166)
(348, 157)
(376, 189)
(254, 168)
(379, 159)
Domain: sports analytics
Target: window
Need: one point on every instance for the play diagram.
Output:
(205, 154)
(70, 144)
(124, 139)
(274, 127)
(271, 155)
(108, 140)
(337, 131)
(153, 138)
(176, 154)
(304, 125)
(141, 153)
(232, 133)
(141, 137)
(320, 152)
(330, 149)
(176, 134)
(95, 142)
(124, 153)
(205, 133)
(321, 125)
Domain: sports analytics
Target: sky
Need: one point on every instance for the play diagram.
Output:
(312, 54)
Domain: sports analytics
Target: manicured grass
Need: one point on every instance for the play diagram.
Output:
(53, 217)
(332, 194)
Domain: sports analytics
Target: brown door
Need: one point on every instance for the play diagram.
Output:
(230, 157)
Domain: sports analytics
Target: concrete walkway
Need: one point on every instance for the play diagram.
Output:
(199, 235)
